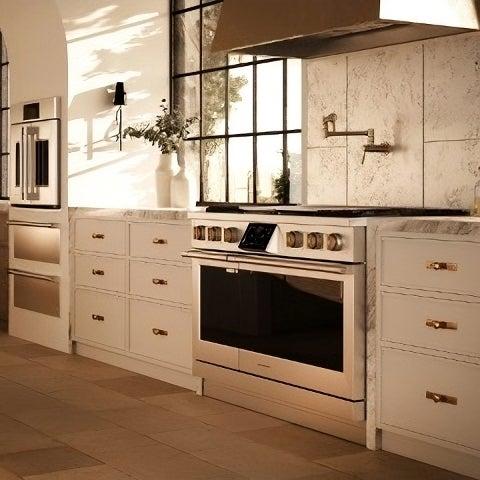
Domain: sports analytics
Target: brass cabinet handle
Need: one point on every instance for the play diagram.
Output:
(440, 398)
(158, 281)
(98, 236)
(159, 241)
(437, 325)
(98, 318)
(98, 272)
(157, 331)
(437, 266)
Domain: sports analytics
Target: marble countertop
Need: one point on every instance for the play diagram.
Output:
(153, 214)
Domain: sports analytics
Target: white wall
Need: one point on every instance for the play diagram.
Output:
(109, 42)
(424, 98)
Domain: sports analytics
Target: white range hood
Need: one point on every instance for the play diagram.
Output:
(316, 28)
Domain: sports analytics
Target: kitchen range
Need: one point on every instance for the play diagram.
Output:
(279, 310)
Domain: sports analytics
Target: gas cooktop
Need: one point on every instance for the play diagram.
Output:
(339, 212)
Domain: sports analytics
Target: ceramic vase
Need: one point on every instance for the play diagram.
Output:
(164, 174)
(180, 189)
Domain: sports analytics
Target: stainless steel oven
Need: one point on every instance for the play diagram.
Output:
(293, 321)
(35, 154)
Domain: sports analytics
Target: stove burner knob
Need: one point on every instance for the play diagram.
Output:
(294, 239)
(334, 242)
(199, 233)
(315, 241)
(214, 234)
(230, 235)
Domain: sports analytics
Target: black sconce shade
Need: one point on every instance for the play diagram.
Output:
(120, 94)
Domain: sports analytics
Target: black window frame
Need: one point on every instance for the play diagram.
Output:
(4, 149)
(254, 134)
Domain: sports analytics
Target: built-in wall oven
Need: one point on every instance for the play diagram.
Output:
(293, 321)
(35, 154)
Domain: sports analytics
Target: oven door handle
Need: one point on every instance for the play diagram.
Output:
(32, 224)
(271, 261)
(37, 276)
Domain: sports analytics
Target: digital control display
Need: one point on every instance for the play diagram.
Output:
(257, 236)
(31, 111)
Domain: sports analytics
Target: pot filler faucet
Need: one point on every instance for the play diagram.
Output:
(331, 119)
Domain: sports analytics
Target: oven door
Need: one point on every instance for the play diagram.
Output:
(299, 323)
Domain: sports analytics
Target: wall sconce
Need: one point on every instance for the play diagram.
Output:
(120, 100)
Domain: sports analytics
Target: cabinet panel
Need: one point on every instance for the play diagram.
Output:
(100, 318)
(100, 272)
(431, 396)
(159, 241)
(103, 236)
(161, 332)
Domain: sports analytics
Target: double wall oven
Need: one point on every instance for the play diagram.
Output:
(283, 302)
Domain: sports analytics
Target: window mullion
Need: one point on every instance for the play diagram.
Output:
(255, 143)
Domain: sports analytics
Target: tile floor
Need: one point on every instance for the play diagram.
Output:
(70, 418)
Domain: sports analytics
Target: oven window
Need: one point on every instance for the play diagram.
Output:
(289, 317)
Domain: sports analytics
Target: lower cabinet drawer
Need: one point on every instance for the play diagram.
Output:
(431, 396)
(444, 325)
(100, 318)
(162, 282)
(161, 332)
(100, 272)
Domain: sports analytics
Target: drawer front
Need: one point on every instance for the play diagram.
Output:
(100, 272)
(408, 379)
(163, 282)
(161, 332)
(100, 318)
(159, 241)
(105, 236)
(431, 323)
(434, 265)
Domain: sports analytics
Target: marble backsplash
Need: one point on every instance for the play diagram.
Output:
(423, 98)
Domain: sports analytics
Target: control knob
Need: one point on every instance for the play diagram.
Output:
(294, 239)
(315, 241)
(199, 233)
(214, 234)
(230, 235)
(334, 242)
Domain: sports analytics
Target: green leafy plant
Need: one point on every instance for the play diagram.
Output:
(167, 132)
(281, 188)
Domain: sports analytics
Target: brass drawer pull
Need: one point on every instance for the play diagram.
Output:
(98, 318)
(437, 325)
(158, 281)
(160, 241)
(440, 398)
(437, 266)
(157, 331)
(98, 272)
(98, 236)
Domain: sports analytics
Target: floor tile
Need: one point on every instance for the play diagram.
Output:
(29, 350)
(383, 465)
(16, 398)
(82, 367)
(331, 475)
(101, 472)
(93, 397)
(138, 386)
(241, 421)
(191, 404)
(63, 420)
(199, 438)
(35, 462)
(260, 462)
(115, 439)
(303, 442)
(39, 378)
(16, 437)
(6, 339)
(147, 419)
(6, 475)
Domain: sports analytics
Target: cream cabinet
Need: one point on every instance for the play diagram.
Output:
(132, 296)
(428, 348)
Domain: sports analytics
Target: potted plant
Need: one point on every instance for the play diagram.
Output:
(168, 130)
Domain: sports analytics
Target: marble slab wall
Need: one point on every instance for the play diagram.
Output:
(423, 98)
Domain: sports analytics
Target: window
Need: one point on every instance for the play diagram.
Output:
(4, 120)
(246, 147)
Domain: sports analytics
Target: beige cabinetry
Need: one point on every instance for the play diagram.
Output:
(132, 296)
(428, 347)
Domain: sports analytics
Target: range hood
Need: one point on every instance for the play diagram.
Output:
(317, 28)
